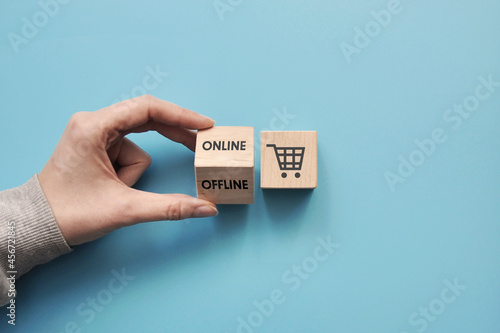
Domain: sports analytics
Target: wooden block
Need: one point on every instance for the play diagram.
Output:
(224, 165)
(289, 159)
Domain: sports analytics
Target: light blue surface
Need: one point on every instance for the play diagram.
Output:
(398, 250)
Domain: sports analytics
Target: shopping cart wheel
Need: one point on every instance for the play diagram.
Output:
(283, 175)
(297, 175)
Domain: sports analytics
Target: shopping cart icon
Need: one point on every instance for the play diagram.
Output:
(289, 158)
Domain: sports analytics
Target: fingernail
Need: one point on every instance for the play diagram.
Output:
(208, 118)
(205, 211)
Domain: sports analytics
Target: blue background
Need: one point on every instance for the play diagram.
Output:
(397, 248)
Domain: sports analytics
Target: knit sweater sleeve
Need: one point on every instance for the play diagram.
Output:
(29, 227)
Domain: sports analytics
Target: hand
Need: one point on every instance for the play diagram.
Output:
(88, 177)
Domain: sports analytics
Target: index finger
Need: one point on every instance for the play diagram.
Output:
(138, 111)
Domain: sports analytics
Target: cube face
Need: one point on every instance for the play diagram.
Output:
(224, 165)
(289, 159)
(229, 185)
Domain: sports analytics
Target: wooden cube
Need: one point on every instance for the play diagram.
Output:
(289, 159)
(224, 165)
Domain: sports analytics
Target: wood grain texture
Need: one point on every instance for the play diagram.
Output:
(289, 159)
(224, 165)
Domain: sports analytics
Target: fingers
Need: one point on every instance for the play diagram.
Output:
(131, 160)
(177, 134)
(147, 207)
(138, 111)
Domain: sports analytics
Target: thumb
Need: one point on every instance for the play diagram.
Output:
(148, 207)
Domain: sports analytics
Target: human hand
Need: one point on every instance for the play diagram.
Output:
(88, 177)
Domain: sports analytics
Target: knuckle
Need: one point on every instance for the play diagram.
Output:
(148, 160)
(79, 123)
(146, 99)
(174, 211)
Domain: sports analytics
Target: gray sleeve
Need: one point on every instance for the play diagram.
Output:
(37, 235)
